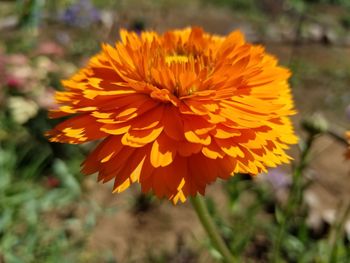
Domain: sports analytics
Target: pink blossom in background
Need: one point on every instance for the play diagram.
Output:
(17, 60)
(14, 82)
(50, 48)
(46, 99)
(17, 71)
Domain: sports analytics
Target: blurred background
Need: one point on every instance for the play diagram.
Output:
(50, 213)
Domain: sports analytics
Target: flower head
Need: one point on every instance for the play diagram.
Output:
(177, 111)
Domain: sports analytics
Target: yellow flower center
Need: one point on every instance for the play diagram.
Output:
(176, 59)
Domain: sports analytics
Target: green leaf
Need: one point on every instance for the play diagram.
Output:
(68, 180)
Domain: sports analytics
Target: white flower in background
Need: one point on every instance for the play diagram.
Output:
(44, 65)
(22, 109)
(21, 72)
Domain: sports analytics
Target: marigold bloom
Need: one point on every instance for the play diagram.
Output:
(177, 111)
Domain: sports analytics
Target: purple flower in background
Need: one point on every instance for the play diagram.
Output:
(80, 14)
(278, 178)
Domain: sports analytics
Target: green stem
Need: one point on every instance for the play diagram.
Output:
(335, 235)
(295, 196)
(209, 226)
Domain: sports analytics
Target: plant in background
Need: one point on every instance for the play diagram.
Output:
(36, 179)
(177, 111)
(348, 138)
(30, 13)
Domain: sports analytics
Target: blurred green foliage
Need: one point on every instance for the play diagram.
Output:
(254, 222)
(36, 184)
(250, 5)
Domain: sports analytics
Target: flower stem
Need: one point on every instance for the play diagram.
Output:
(295, 197)
(209, 226)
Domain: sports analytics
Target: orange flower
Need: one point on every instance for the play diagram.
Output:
(177, 111)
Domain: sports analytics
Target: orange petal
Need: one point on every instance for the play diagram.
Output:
(165, 181)
(173, 124)
(163, 152)
(213, 151)
(78, 129)
(131, 171)
(140, 138)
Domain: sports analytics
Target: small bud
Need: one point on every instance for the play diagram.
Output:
(315, 124)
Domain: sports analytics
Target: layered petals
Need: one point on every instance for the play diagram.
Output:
(176, 111)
